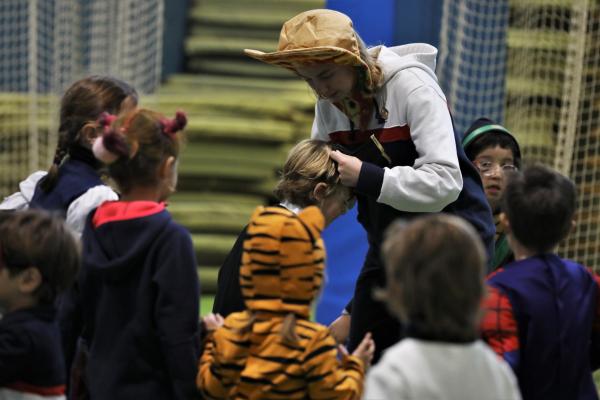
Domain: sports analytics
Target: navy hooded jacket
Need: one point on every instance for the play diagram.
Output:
(140, 298)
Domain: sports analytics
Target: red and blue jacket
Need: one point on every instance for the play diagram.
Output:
(542, 316)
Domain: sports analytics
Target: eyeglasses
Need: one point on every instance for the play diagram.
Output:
(487, 168)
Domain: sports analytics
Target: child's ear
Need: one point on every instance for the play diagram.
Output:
(29, 280)
(166, 168)
(320, 191)
(504, 222)
(573, 225)
(88, 134)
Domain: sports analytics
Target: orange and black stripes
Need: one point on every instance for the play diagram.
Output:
(261, 364)
(271, 350)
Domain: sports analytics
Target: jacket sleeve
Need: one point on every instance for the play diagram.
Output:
(499, 328)
(435, 179)
(80, 207)
(223, 359)
(20, 200)
(177, 308)
(329, 377)
(228, 298)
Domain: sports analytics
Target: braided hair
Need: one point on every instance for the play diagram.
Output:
(82, 103)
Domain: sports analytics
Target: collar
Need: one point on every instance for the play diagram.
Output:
(113, 211)
(85, 155)
(416, 331)
(292, 207)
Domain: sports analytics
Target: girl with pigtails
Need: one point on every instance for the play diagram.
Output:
(139, 289)
(73, 186)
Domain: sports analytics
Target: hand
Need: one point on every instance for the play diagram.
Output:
(348, 167)
(213, 322)
(340, 328)
(365, 350)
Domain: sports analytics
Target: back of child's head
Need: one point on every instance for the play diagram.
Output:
(540, 205)
(283, 260)
(35, 238)
(484, 134)
(434, 271)
(308, 163)
(83, 103)
(136, 144)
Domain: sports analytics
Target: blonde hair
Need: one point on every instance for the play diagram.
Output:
(434, 272)
(308, 163)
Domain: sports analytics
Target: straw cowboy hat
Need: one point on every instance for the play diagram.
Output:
(313, 36)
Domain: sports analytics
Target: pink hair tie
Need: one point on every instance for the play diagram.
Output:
(102, 153)
(106, 120)
(172, 126)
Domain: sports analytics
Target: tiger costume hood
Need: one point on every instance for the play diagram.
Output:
(283, 260)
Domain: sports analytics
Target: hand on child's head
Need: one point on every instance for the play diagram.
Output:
(365, 349)
(213, 321)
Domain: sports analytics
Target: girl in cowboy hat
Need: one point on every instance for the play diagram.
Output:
(396, 146)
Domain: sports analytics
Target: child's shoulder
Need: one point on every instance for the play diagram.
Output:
(28, 324)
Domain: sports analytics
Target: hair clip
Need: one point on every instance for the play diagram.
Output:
(106, 120)
(102, 153)
(172, 126)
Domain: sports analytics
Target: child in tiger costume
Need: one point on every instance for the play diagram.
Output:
(272, 350)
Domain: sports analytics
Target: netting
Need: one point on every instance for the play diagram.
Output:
(472, 60)
(45, 45)
(549, 92)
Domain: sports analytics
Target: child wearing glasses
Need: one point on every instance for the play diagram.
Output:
(494, 151)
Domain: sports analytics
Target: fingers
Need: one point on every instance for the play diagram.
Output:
(366, 349)
(213, 321)
(348, 167)
(342, 349)
(366, 342)
(337, 156)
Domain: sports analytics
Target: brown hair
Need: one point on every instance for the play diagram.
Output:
(434, 271)
(540, 204)
(367, 87)
(140, 141)
(307, 164)
(35, 238)
(82, 103)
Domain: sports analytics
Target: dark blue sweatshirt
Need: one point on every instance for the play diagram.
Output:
(140, 297)
(30, 353)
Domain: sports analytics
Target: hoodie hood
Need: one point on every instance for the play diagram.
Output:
(120, 234)
(394, 59)
(283, 260)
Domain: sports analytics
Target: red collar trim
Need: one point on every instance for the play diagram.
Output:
(112, 211)
(23, 387)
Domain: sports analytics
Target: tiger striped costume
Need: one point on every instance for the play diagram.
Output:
(281, 274)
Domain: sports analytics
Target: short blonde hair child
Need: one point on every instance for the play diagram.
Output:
(308, 164)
